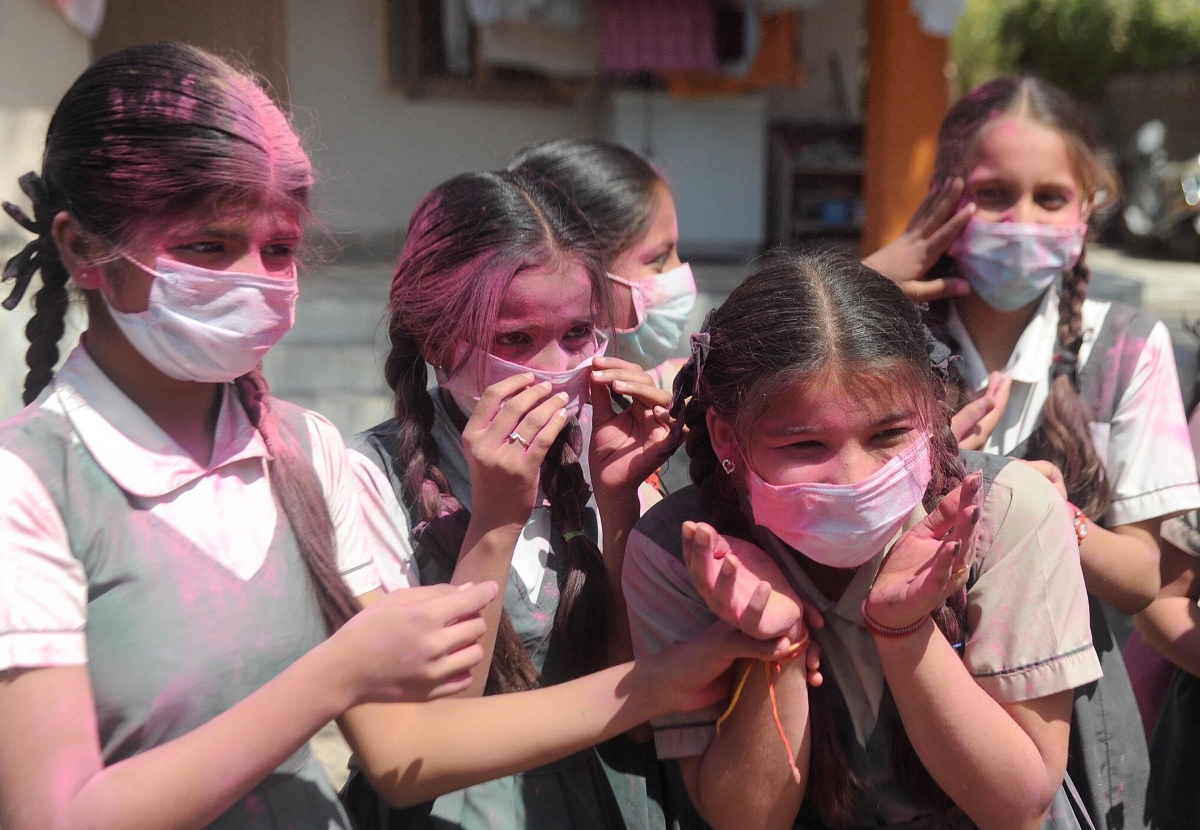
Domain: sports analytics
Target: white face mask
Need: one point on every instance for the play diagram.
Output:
(1009, 265)
(466, 387)
(663, 303)
(844, 525)
(208, 326)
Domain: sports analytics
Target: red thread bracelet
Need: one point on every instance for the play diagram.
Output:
(888, 633)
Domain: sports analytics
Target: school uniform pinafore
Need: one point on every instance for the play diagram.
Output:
(617, 784)
(173, 637)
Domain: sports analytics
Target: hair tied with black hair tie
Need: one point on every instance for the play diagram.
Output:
(25, 264)
(693, 371)
(1065, 362)
(939, 353)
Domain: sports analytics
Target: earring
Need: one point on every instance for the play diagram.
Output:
(728, 466)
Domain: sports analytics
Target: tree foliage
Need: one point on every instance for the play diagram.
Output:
(1076, 44)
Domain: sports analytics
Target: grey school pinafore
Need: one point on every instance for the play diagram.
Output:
(618, 784)
(173, 638)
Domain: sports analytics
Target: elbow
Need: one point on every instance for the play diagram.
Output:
(1040, 797)
(1146, 594)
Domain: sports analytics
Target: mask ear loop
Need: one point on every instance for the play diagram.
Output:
(639, 303)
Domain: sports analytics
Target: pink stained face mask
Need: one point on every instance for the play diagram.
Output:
(1009, 265)
(844, 525)
(466, 387)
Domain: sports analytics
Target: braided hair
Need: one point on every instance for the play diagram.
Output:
(143, 137)
(1063, 436)
(797, 317)
(466, 242)
(45, 329)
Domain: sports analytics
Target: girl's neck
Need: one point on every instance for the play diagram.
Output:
(185, 410)
(994, 333)
(831, 582)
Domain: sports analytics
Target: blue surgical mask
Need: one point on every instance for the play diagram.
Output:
(1009, 265)
(663, 303)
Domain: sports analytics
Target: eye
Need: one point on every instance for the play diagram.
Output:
(891, 436)
(512, 338)
(806, 446)
(584, 331)
(205, 248)
(992, 196)
(1053, 200)
(280, 249)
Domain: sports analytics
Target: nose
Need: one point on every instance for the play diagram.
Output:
(257, 262)
(554, 358)
(1025, 212)
(854, 465)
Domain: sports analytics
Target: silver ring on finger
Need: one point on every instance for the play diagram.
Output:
(517, 439)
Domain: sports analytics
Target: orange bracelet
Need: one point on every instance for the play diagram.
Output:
(1080, 520)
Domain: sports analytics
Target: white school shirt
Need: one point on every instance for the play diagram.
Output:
(225, 508)
(1184, 531)
(394, 553)
(1145, 449)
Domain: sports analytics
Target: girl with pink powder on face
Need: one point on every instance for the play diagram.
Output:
(183, 557)
(1090, 391)
(519, 466)
(953, 616)
(632, 212)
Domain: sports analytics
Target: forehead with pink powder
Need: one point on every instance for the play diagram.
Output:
(1003, 103)
(152, 132)
(467, 243)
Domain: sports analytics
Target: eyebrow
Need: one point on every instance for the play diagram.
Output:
(659, 250)
(805, 429)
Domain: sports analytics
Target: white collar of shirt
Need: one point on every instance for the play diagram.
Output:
(845, 642)
(1031, 357)
(1029, 364)
(133, 450)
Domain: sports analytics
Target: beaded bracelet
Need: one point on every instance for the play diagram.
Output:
(1080, 520)
(888, 633)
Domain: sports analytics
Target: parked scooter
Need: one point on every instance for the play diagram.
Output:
(1162, 197)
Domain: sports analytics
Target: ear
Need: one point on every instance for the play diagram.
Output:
(77, 249)
(724, 442)
(1087, 208)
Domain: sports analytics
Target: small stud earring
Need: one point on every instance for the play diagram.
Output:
(728, 466)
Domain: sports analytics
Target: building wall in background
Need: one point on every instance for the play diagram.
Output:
(379, 153)
(39, 58)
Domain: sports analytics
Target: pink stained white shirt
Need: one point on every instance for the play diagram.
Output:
(225, 508)
(1146, 448)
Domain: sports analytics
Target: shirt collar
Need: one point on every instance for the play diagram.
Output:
(1030, 357)
(846, 645)
(133, 450)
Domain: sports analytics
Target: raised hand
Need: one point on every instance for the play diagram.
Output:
(626, 446)
(975, 422)
(933, 227)
(414, 644)
(506, 468)
(929, 562)
(743, 586)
